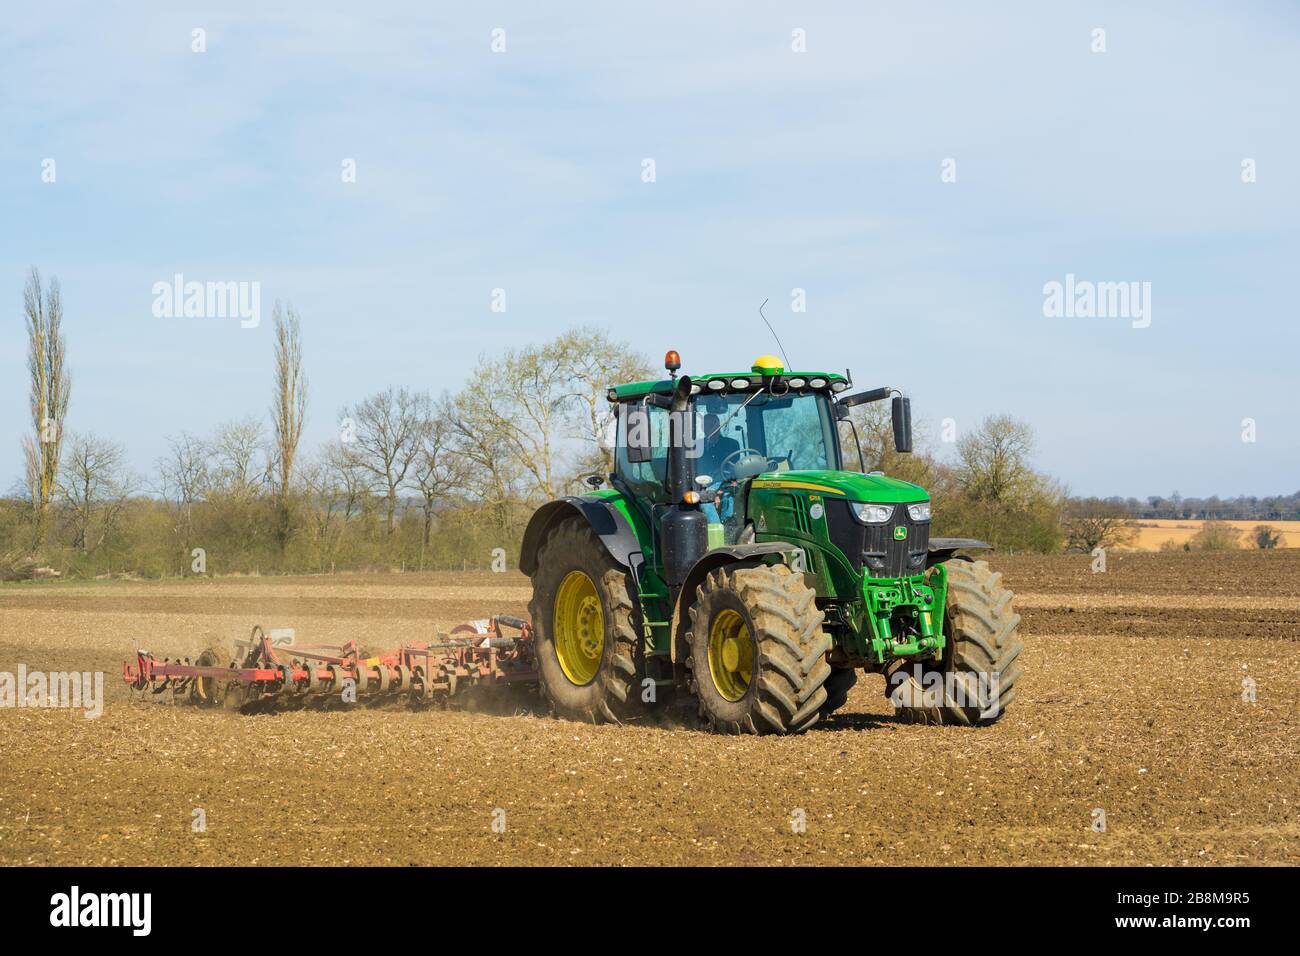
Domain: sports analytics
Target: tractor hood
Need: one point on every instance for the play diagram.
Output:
(850, 485)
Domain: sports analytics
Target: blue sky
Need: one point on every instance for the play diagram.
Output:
(775, 170)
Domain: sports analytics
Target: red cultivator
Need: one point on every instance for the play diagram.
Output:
(267, 675)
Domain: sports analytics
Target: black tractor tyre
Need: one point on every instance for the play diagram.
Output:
(614, 693)
(976, 678)
(786, 650)
(838, 685)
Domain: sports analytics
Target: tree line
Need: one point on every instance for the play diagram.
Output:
(417, 481)
(1213, 508)
(410, 481)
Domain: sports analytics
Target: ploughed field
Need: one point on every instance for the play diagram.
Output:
(1131, 704)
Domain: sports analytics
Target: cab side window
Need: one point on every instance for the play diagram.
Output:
(645, 478)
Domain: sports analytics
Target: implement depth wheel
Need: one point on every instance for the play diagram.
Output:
(207, 691)
(975, 682)
(758, 653)
(588, 657)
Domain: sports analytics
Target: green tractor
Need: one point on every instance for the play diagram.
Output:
(730, 557)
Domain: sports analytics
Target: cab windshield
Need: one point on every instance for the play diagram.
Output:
(738, 433)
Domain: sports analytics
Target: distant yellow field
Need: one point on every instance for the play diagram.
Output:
(1153, 532)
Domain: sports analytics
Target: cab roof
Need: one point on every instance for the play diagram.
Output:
(634, 390)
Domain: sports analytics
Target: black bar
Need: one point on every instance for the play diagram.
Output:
(1018, 903)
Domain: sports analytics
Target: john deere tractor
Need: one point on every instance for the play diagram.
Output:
(732, 561)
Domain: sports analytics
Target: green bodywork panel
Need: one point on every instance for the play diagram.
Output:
(849, 485)
(871, 621)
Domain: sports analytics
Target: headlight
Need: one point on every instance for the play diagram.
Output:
(919, 512)
(872, 514)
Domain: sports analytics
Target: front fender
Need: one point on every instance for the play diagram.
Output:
(941, 549)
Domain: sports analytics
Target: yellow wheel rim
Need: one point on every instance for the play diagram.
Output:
(731, 654)
(579, 626)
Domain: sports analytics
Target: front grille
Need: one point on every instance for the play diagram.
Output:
(874, 546)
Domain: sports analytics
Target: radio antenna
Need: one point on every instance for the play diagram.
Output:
(785, 357)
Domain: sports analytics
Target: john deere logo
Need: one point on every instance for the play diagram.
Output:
(900, 533)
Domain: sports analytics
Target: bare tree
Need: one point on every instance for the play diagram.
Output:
(593, 362)
(331, 497)
(235, 449)
(439, 471)
(186, 477)
(31, 470)
(1093, 523)
(290, 406)
(50, 388)
(522, 402)
(346, 478)
(994, 460)
(185, 471)
(388, 433)
(94, 487)
(493, 477)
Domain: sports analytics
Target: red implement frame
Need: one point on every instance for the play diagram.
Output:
(470, 655)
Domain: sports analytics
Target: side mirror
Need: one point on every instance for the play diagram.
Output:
(902, 415)
(865, 398)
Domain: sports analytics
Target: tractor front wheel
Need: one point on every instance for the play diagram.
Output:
(975, 682)
(582, 613)
(757, 651)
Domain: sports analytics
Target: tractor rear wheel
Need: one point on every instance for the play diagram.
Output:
(588, 654)
(975, 682)
(757, 651)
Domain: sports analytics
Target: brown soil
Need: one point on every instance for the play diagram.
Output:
(1131, 702)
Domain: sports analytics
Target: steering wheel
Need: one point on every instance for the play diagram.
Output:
(727, 464)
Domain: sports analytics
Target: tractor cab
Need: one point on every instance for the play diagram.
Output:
(734, 427)
(701, 442)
